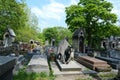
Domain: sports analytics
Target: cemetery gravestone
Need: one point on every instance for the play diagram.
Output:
(94, 63)
(6, 67)
(78, 40)
(38, 64)
(67, 63)
(114, 54)
(63, 45)
(53, 42)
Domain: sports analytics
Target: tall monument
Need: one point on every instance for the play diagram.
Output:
(78, 40)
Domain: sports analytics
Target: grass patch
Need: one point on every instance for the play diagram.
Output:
(22, 75)
(105, 76)
(86, 78)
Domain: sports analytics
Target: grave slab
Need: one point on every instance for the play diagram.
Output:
(71, 66)
(6, 67)
(94, 64)
(38, 64)
(84, 70)
(111, 61)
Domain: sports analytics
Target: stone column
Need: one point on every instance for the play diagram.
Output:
(6, 68)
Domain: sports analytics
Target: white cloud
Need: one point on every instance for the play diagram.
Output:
(54, 10)
(116, 8)
(74, 2)
(36, 11)
(116, 11)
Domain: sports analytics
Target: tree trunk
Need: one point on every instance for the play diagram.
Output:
(89, 37)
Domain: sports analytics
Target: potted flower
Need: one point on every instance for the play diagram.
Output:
(52, 56)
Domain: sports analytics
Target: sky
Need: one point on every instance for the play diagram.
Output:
(51, 13)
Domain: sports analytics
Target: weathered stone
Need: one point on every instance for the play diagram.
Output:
(94, 63)
(114, 54)
(38, 64)
(78, 40)
(62, 47)
(6, 67)
(72, 66)
(111, 61)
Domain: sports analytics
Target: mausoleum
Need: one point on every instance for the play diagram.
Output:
(78, 40)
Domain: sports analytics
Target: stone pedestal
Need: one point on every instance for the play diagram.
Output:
(6, 68)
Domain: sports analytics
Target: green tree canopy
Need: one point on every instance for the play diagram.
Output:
(30, 31)
(93, 15)
(58, 33)
(50, 33)
(18, 16)
(12, 14)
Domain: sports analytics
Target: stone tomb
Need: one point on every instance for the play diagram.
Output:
(114, 54)
(94, 64)
(6, 68)
(38, 64)
(111, 61)
(71, 66)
